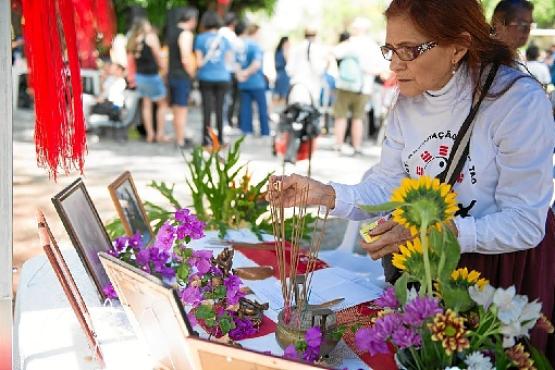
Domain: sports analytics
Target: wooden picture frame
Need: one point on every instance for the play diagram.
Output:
(85, 229)
(154, 310)
(210, 355)
(140, 292)
(63, 274)
(130, 207)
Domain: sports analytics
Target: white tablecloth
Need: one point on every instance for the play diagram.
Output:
(47, 334)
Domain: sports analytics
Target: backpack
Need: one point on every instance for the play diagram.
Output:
(350, 77)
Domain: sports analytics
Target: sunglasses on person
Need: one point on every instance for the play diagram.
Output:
(407, 53)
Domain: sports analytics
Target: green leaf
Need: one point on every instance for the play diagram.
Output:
(384, 207)
(336, 334)
(217, 293)
(204, 312)
(456, 298)
(540, 361)
(226, 323)
(401, 288)
(182, 272)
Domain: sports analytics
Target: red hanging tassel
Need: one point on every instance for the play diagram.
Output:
(51, 51)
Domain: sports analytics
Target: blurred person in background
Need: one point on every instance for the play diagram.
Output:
(144, 47)
(306, 66)
(536, 68)
(111, 98)
(213, 53)
(283, 82)
(360, 61)
(181, 71)
(231, 97)
(512, 21)
(252, 84)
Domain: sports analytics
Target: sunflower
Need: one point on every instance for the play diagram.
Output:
(424, 200)
(406, 253)
(468, 278)
(449, 329)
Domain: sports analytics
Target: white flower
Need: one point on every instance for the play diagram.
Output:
(453, 368)
(531, 312)
(512, 331)
(477, 361)
(484, 296)
(509, 305)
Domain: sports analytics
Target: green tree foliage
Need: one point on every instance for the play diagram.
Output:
(544, 11)
(157, 9)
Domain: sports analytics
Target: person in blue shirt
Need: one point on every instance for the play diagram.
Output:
(213, 52)
(252, 84)
(283, 82)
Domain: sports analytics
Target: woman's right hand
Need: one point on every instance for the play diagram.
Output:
(295, 190)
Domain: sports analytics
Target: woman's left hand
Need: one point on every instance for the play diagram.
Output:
(390, 235)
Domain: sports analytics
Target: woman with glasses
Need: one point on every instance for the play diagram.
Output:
(512, 21)
(444, 59)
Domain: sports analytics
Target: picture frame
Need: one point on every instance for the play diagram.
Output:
(130, 207)
(155, 312)
(72, 293)
(85, 229)
(211, 355)
(140, 292)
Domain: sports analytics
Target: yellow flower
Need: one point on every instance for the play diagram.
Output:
(449, 329)
(406, 252)
(469, 278)
(424, 198)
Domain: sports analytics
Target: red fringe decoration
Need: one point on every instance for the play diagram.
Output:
(93, 17)
(49, 32)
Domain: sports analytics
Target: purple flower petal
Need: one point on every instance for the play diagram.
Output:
(404, 337)
(388, 299)
(290, 352)
(313, 337)
(419, 310)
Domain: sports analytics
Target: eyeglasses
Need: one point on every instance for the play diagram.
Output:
(407, 53)
(520, 26)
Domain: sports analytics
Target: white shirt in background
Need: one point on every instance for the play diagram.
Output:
(112, 90)
(306, 67)
(506, 183)
(540, 71)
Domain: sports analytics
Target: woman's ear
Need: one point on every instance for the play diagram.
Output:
(461, 48)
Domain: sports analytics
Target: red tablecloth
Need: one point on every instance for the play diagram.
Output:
(363, 314)
(267, 257)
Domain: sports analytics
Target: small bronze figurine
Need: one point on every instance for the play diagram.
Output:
(252, 310)
(224, 261)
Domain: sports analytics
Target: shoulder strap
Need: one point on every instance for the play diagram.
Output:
(461, 145)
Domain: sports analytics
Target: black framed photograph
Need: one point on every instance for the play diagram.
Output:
(85, 229)
(130, 207)
(155, 311)
(72, 293)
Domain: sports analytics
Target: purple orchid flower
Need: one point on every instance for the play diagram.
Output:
(388, 299)
(290, 352)
(191, 296)
(404, 337)
(109, 291)
(419, 310)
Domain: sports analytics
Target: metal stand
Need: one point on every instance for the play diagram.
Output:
(6, 183)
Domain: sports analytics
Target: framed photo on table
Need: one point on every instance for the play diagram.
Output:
(69, 287)
(130, 208)
(85, 229)
(158, 315)
(154, 310)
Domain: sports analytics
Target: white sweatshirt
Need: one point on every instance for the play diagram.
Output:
(506, 184)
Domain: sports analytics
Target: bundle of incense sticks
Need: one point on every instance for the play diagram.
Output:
(296, 202)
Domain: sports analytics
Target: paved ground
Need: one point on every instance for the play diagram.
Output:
(106, 159)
